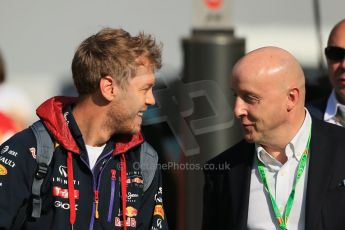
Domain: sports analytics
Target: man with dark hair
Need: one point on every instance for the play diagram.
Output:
(332, 109)
(15, 106)
(95, 179)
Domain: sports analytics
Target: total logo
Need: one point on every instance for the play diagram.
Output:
(4, 149)
(11, 152)
(65, 206)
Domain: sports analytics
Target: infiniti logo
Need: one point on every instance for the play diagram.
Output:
(65, 116)
(62, 170)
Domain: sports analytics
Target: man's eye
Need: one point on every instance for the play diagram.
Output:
(251, 99)
(146, 88)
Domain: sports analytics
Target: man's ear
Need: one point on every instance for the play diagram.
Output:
(108, 87)
(293, 98)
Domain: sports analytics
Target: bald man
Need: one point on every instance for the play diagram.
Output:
(332, 109)
(289, 171)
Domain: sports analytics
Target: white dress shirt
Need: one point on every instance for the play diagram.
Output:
(331, 109)
(280, 178)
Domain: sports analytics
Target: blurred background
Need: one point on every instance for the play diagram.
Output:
(202, 39)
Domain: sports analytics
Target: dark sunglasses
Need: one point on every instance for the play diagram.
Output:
(335, 53)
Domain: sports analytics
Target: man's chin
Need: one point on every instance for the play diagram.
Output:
(130, 131)
(135, 130)
(249, 138)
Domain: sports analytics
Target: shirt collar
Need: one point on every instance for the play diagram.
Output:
(294, 148)
(331, 109)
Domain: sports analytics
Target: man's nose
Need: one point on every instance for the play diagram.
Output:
(239, 107)
(150, 99)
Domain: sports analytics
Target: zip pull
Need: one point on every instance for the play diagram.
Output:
(112, 194)
(96, 202)
(113, 174)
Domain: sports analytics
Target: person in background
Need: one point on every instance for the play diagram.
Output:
(15, 104)
(332, 108)
(7, 125)
(95, 179)
(288, 172)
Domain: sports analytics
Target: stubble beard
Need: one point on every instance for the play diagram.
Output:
(118, 123)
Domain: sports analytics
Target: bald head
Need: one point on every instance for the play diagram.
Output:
(336, 60)
(273, 65)
(270, 92)
(337, 35)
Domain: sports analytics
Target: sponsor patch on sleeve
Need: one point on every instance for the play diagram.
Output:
(159, 211)
(33, 152)
(3, 170)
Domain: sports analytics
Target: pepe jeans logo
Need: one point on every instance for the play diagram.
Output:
(175, 103)
(131, 195)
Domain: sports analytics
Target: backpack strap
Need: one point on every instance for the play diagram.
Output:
(148, 163)
(44, 154)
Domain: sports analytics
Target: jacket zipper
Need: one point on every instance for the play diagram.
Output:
(96, 198)
(96, 189)
(112, 194)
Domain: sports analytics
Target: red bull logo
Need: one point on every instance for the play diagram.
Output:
(131, 212)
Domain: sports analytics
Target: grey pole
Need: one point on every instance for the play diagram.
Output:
(209, 56)
(193, 119)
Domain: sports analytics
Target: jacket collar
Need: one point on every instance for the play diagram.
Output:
(56, 114)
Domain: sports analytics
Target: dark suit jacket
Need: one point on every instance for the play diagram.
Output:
(226, 192)
(317, 108)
